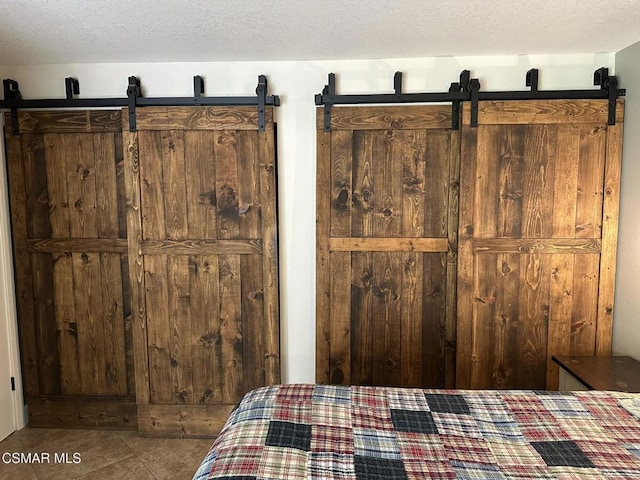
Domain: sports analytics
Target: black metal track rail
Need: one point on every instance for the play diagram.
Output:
(468, 89)
(13, 100)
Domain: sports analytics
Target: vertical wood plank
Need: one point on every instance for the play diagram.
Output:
(414, 182)
(363, 189)
(433, 277)
(174, 189)
(113, 324)
(585, 307)
(151, 187)
(465, 287)
(57, 186)
(108, 226)
(560, 313)
(45, 325)
(386, 317)
(341, 178)
(106, 185)
(590, 181)
(452, 259)
(387, 175)
(340, 339)
(268, 193)
(612, 173)
(179, 306)
(323, 273)
(437, 180)
(412, 354)
(227, 185)
(506, 321)
(511, 173)
(200, 163)
(485, 219)
(538, 201)
(231, 328)
(251, 266)
(88, 306)
(483, 321)
(566, 181)
(35, 179)
(534, 319)
(81, 185)
(158, 329)
(118, 155)
(361, 318)
(253, 322)
(205, 322)
(22, 263)
(67, 324)
(229, 266)
(132, 183)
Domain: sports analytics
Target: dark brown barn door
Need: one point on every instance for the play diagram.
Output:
(538, 225)
(69, 236)
(386, 229)
(203, 258)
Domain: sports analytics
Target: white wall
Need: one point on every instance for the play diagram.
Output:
(296, 83)
(626, 325)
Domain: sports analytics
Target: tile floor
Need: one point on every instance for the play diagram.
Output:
(103, 454)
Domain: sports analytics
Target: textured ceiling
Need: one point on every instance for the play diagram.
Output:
(81, 31)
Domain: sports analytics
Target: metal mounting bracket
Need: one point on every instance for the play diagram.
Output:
(12, 92)
(261, 92)
(134, 91)
(608, 83)
(532, 79)
(72, 87)
(474, 90)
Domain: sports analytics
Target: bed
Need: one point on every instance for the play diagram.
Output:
(336, 432)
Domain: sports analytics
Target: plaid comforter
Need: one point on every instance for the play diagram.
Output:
(293, 432)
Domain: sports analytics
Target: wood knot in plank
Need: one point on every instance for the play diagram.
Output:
(343, 198)
(227, 202)
(209, 339)
(207, 397)
(488, 300)
(337, 376)
(208, 198)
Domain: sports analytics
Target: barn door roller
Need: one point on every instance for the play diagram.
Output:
(467, 89)
(134, 99)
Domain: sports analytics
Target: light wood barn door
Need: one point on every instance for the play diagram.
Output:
(69, 237)
(203, 257)
(537, 239)
(386, 241)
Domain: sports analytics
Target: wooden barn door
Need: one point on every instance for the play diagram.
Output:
(69, 236)
(386, 233)
(537, 239)
(203, 259)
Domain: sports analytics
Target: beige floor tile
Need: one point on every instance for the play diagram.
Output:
(10, 468)
(169, 458)
(128, 469)
(104, 455)
(74, 453)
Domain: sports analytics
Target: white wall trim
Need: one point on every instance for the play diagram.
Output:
(7, 295)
